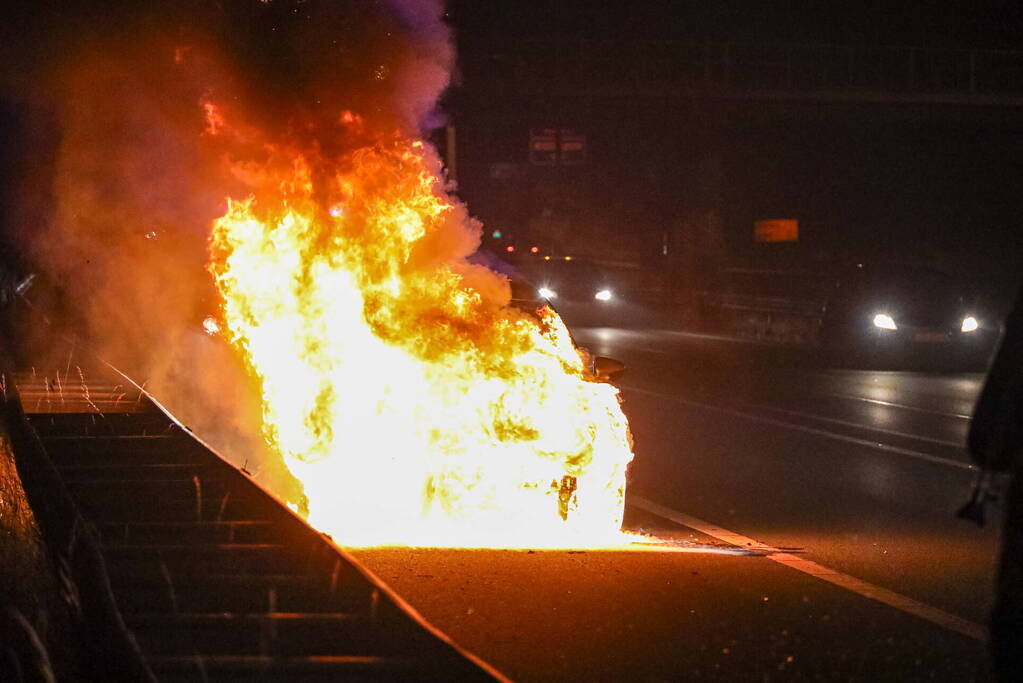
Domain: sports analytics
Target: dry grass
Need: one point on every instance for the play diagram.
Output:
(22, 559)
(27, 581)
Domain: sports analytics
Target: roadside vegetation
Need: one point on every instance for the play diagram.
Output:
(32, 616)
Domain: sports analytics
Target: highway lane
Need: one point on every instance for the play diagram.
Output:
(863, 469)
(643, 616)
(792, 385)
(858, 472)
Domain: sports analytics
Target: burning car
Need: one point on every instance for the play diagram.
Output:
(385, 354)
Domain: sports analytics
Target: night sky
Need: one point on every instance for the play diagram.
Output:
(932, 184)
(929, 184)
(507, 23)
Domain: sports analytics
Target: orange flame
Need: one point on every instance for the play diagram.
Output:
(415, 405)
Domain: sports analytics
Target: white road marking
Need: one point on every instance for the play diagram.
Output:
(646, 333)
(860, 425)
(725, 338)
(903, 406)
(644, 349)
(850, 583)
(908, 452)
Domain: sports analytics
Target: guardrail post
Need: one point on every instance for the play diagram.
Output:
(580, 71)
(788, 68)
(726, 60)
(912, 69)
(973, 71)
(852, 65)
(707, 69)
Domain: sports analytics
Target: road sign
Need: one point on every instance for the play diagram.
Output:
(776, 230)
(554, 146)
(573, 147)
(543, 147)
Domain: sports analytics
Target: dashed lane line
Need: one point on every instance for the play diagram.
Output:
(901, 406)
(908, 452)
(869, 428)
(868, 590)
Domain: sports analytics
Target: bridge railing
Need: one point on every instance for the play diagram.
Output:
(713, 66)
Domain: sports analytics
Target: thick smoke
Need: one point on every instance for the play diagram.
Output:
(126, 174)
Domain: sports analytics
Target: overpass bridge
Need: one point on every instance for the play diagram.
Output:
(688, 143)
(757, 71)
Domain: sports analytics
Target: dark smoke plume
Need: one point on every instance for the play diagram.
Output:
(117, 182)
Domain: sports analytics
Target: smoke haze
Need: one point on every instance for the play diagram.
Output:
(124, 170)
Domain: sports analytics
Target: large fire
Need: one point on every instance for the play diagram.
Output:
(412, 401)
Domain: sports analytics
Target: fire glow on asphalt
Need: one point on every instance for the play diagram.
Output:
(413, 403)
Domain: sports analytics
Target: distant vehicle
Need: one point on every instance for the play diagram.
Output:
(570, 280)
(882, 314)
(530, 298)
(892, 312)
(582, 292)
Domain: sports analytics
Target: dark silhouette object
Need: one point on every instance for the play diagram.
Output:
(996, 444)
(110, 651)
(23, 657)
(975, 509)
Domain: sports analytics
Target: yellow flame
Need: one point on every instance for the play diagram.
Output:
(415, 405)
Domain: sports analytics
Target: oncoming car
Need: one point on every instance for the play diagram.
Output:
(889, 312)
(528, 297)
(570, 280)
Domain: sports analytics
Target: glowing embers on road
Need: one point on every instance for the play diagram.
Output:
(623, 542)
(412, 402)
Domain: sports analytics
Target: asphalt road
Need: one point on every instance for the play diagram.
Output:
(815, 508)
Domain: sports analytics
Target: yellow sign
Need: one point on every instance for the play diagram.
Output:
(776, 230)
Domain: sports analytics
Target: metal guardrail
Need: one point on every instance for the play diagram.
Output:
(179, 566)
(211, 576)
(717, 67)
(108, 648)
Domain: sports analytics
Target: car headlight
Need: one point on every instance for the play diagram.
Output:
(603, 295)
(885, 322)
(547, 293)
(970, 324)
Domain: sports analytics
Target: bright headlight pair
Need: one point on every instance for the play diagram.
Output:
(885, 321)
